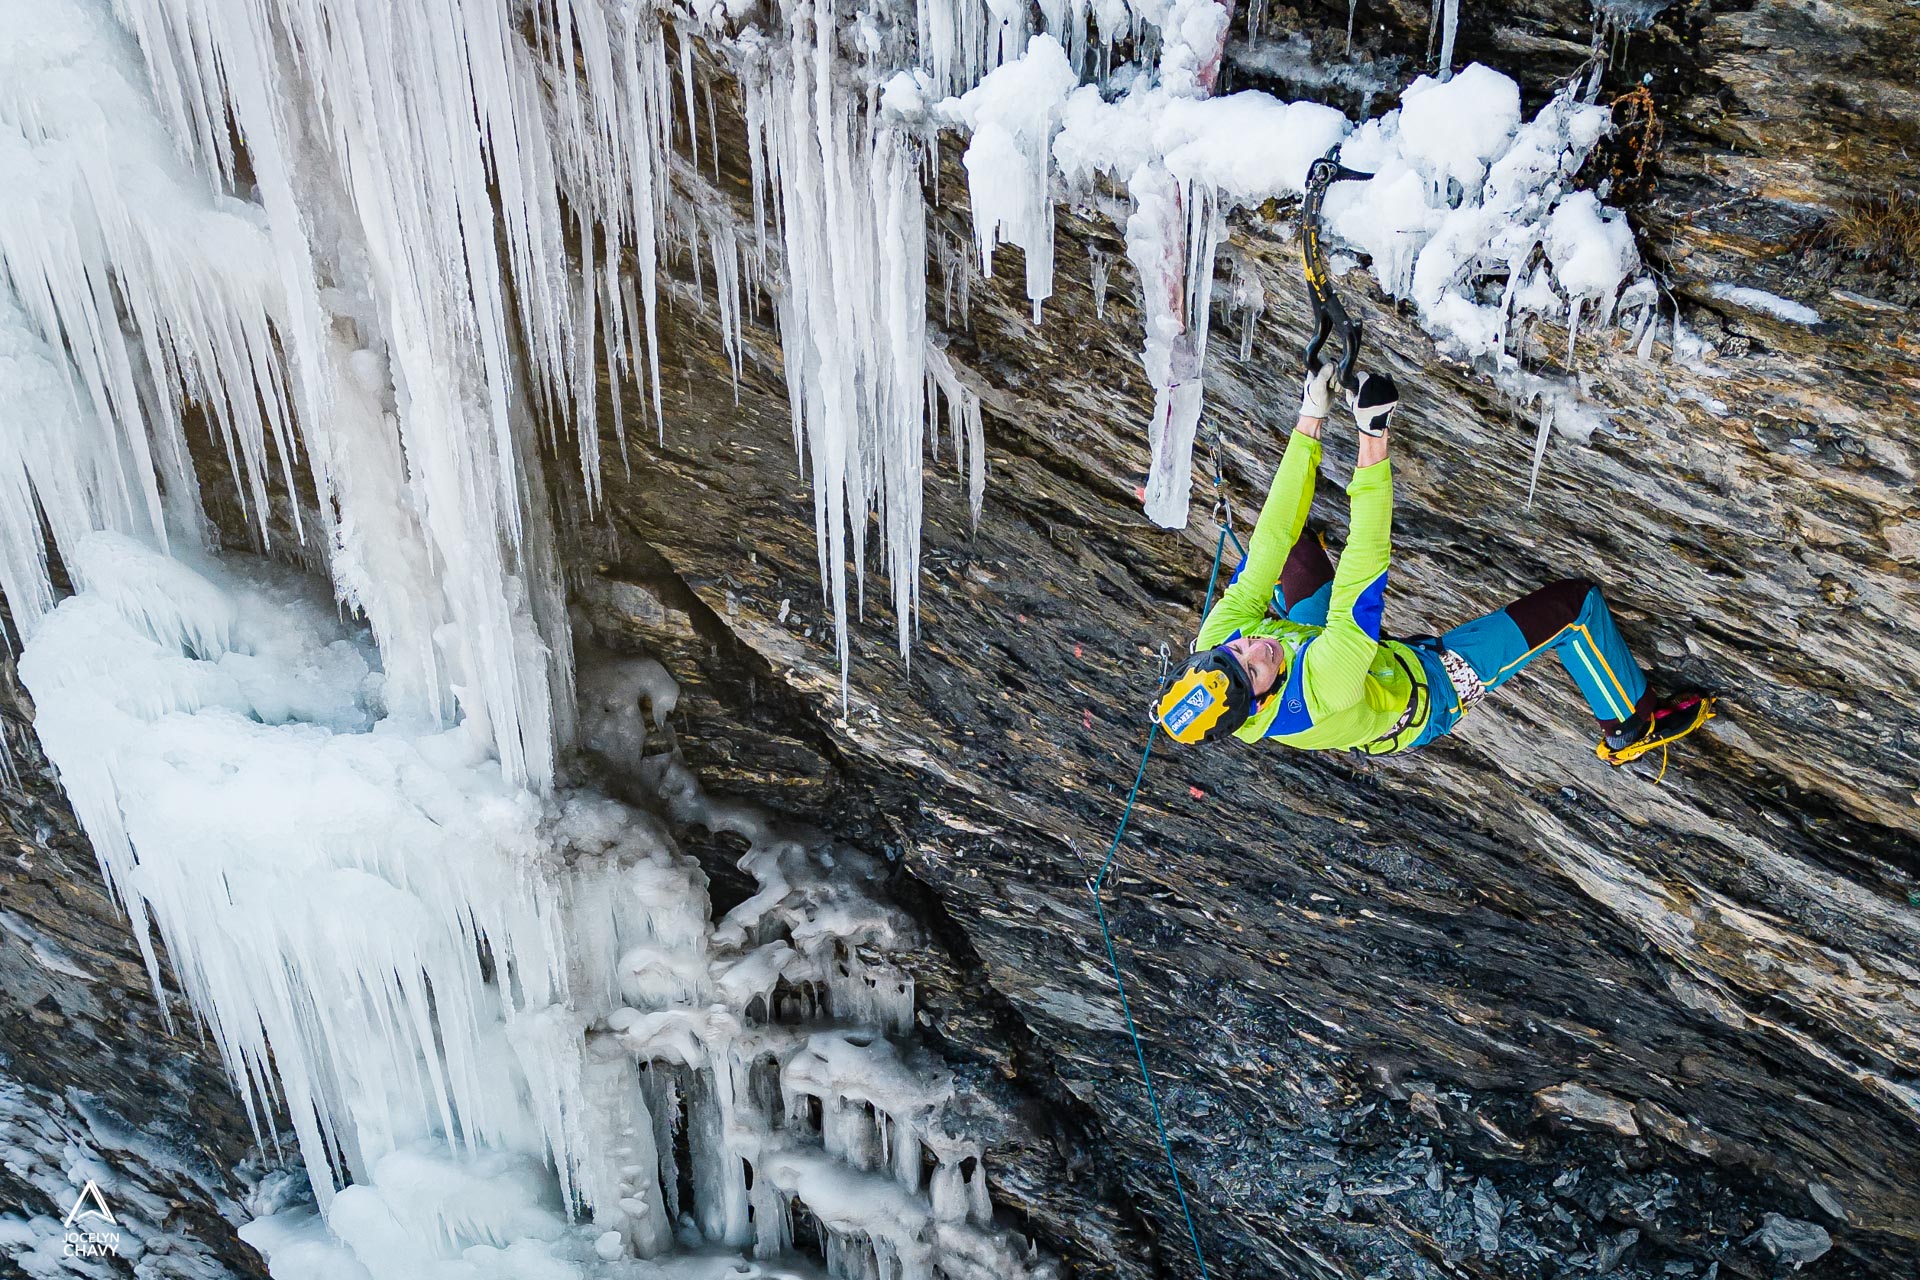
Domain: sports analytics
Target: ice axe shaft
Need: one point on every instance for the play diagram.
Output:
(1329, 317)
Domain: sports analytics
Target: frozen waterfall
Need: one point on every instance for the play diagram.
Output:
(504, 1028)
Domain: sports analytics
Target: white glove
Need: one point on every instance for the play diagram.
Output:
(1316, 397)
(1372, 397)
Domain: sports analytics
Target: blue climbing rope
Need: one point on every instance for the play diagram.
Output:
(1098, 881)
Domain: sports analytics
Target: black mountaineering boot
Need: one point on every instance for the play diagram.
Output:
(1657, 723)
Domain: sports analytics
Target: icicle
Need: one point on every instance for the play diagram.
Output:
(713, 127)
(1249, 297)
(956, 269)
(1171, 237)
(1449, 28)
(1540, 448)
(726, 286)
(1098, 265)
(1649, 331)
(852, 318)
(969, 432)
(1013, 115)
(686, 84)
(962, 40)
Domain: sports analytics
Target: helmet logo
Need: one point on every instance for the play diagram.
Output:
(1193, 705)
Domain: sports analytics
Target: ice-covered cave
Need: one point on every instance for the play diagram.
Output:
(505, 1028)
(358, 271)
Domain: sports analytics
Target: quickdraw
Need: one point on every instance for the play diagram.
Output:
(1329, 317)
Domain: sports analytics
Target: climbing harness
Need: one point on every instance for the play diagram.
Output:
(1408, 719)
(1098, 880)
(1330, 319)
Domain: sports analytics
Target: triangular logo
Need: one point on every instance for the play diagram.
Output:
(90, 1195)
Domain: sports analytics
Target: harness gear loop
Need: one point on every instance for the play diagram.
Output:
(1408, 719)
(1329, 317)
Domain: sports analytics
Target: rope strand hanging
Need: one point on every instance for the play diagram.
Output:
(1098, 881)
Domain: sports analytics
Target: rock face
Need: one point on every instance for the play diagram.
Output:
(1493, 1009)
(93, 1078)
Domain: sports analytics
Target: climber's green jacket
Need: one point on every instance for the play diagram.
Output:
(1343, 686)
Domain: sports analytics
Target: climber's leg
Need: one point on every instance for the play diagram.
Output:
(1571, 619)
(1306, 582)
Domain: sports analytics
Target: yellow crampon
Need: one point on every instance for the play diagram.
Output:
(1681, 722)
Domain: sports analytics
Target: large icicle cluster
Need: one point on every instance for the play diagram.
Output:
(322, 889)
(768, 1047)
(846, 191)
(1465, 194)
(390, 154)
(102, 220)
(359, 295)
(480, 1010)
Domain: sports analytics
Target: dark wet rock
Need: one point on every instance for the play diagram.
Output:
(1828, 1201)
(1589, 1106)
(1487, 1210)
(1718, 958)
(1612, 1249)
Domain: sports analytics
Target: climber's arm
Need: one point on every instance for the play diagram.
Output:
(1338, 660)
(1282, 517)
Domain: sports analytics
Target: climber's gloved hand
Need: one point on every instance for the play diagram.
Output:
(1316, 398)
(1372, 397)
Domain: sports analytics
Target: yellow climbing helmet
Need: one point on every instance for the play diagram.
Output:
(1209, 696)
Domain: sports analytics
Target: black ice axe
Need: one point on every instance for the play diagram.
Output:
(1329, 316)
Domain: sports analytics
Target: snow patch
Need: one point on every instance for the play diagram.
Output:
(1012, 114)
(1767, 303)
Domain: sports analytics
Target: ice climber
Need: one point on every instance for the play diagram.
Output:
(1315, 673)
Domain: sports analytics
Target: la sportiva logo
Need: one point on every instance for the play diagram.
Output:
(92, 1230)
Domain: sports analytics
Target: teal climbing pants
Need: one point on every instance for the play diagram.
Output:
(1569, 619)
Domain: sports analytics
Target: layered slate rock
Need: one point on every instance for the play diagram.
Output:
(1495, 1009)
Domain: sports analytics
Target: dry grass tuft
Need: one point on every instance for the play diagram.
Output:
(1882, 231)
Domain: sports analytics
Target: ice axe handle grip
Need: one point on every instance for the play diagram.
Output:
(1349, 354)
(1350, 334)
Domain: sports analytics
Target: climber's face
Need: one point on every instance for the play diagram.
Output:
(1261, 657)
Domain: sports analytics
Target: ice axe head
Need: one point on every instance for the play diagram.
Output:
(1326, 171)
